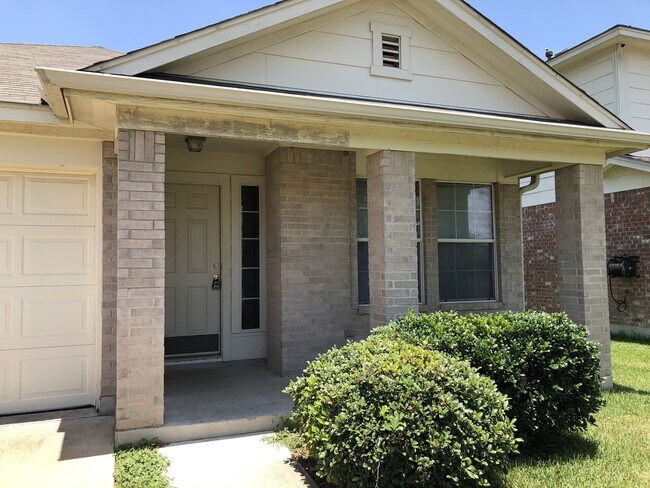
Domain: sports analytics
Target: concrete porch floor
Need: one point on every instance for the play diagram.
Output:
(211, 399)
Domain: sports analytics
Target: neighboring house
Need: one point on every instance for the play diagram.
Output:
(614, 68)
(359, 158)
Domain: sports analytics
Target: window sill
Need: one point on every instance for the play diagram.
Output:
(386, 72)
(471, 306)
(363, 310)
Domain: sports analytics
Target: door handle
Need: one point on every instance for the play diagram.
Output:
(216, 282)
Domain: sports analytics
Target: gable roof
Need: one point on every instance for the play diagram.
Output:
(616, 34)
(19, 83)
(466, 26)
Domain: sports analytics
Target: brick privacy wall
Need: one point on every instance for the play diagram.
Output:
(627, 229)
(581, 254)
(510, 246)
(140, 279)
(109, 269)
(309, 296)
(392, 238)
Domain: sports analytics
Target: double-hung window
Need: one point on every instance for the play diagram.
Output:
(363, 274)
(466, 242)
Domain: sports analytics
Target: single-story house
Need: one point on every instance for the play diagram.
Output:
(614, 68)
(280, 182)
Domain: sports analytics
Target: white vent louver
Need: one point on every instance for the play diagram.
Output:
(390, 50)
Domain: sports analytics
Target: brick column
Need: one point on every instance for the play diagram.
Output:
(140, 279)
(580, 228)
(109, 278)
(309, 294)
(430, 237)
(510, 246)
(392, 235)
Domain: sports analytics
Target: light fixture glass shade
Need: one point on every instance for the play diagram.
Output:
(194, 144)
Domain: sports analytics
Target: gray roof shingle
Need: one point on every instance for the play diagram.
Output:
(18, 80)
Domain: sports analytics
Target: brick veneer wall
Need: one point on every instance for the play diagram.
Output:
(140, 279)
(509, 243)
(309, 242)
(109, 278)
(627, 216)
(627, 220)
(540, 258)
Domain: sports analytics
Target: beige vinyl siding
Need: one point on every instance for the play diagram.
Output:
(597, 77)
(623, 179)
(639, 92)
(336, 59)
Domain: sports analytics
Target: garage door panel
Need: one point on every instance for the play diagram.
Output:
(47, 317)
(7, 185)
(48, 252)
(55, 195)
(46, 255)
(33, 199)
(49, 378)
(6, 256)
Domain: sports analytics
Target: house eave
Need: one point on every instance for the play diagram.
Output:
(602, 41)
(124, 89)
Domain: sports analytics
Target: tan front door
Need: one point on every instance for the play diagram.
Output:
(193, 258)
(48, 291)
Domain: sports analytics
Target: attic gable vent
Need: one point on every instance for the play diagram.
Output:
(390, 51)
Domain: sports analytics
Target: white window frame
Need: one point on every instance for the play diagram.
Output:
(493, 241)
(377, 68)
(237, 183)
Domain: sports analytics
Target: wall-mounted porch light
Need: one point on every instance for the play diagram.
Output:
(194, 144)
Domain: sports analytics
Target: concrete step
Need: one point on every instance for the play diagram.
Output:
(181, 432)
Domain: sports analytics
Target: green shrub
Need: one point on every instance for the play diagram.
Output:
(140, 465)
(387, 413)
(542, 362)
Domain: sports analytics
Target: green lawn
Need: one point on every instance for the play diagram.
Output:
(615, 452)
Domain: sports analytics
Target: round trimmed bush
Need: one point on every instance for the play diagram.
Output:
(387, 413)
(542, 362)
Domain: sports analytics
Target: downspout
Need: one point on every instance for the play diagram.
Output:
(534, 183)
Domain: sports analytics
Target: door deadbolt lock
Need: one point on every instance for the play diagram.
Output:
(216, 282)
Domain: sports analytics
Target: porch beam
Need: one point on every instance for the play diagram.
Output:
(336, 132)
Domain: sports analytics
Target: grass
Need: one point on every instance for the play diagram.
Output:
(140, 465)
(614, 453)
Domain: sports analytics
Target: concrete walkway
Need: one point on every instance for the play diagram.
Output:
(235, 462)
(75, 451)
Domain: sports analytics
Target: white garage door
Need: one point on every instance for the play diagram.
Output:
(47, 291)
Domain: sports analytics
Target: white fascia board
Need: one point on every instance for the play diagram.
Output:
(29, 114)
(531, 62)
(219, 96)
(194, 42)
(601, 41)
(630, 163)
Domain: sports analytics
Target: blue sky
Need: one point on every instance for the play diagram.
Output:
(125, 25)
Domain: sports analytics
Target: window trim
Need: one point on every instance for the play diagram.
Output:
(236, 183)
(493, 241)
(378, 68)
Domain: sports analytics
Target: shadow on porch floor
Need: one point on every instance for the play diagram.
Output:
(210, 399)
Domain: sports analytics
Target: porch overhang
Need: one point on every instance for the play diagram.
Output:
(219, 111)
